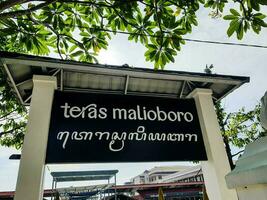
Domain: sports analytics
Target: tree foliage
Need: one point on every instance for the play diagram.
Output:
(12, 114)
(238, 128)
(79, 29)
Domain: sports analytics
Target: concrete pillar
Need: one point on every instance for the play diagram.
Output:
(217, 166)
(31, 169)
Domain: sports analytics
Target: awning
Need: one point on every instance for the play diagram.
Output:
(86, 77)
(83, 175)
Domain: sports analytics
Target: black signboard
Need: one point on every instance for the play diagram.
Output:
(123, 128)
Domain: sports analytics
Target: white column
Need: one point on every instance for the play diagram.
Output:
(217, 166)
(31, 169)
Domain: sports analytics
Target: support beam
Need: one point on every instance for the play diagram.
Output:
(13, 82)
(217, 166)
(61, 79)
(32, 163)
(126, 84)
(182, 89)
(115, 177)
(28, 99)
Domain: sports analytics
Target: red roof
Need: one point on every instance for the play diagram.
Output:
(48, 193)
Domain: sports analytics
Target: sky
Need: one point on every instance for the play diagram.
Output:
(228, 60)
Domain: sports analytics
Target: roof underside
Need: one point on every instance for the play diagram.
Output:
(83, 175)
(85, 77)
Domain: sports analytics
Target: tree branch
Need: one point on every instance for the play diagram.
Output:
(8, 4)
(174, 3)
(10, 131)
(58, 48)
(122, 17)
(13, 117)
(228, 151)
(25, 12)
(227, 117)
(237, 153)
(159, 24)
(59, 35)
(5, 115)
(86, 3)
(243, 8)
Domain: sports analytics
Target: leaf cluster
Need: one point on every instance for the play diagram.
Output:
(12, 116)
(248, 17)
(79, 29)
(241, 127)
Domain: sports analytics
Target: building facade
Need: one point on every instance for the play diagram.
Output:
(156, 174)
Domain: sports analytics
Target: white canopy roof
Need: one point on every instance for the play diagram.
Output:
(86, 77)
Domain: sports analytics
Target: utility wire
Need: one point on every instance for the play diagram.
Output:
(186, 39)
(158, 36)
(190, 40)
(225, 43)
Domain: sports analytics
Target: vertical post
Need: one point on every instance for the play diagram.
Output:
(31, 170)
(217, 166)
(115, 187)
(55, 188)
(108, 188)
(52, 198)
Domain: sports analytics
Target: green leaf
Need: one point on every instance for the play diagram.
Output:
(259, 22)
(246, 26)
(240, 31)
(256, 28)
(249, 4)
(7, 31)
(73, 47)
(85, 34)
(234, 12)
(61, 23)
(262, 2)
(259, 16)
(230, 17)
(232, 27)
(209, 3)
(77, 53)
(44, 32)
(255, 5)
(55, 22)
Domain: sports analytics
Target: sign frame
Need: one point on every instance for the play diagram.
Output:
(136, 129)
